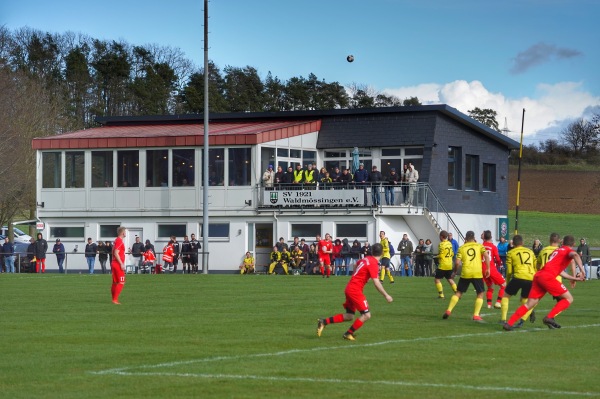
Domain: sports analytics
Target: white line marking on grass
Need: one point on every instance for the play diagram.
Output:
(362, 382)
(123, 370)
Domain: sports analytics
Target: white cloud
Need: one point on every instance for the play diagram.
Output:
(546, 113)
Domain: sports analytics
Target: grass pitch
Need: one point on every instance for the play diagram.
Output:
(225, 336)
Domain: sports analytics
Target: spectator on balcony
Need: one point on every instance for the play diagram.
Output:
(311, 176)
(299, 175)
(279, 178)
(326, 181)
(288, 178)
(391, 181)
(375, 178)
(59, 251)
(404, 184)
(412, 178)
(345, 178)
(335, 175)
(268, 178)
(361, 176)
(91, 250)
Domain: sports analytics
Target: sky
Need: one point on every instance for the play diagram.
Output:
(539, 55)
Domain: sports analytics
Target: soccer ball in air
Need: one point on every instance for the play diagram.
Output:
(350, 58)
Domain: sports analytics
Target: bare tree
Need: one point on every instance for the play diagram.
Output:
(582, 136)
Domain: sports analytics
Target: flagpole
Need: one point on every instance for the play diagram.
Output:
(519, 175)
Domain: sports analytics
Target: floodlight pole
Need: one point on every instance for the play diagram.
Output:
(205, 225)
(519, 175)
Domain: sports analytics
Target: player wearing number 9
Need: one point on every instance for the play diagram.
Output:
(470, 256)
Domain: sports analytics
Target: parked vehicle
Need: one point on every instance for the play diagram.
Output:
(595, 266)
(20, 236)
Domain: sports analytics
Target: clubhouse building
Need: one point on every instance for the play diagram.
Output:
(145, 173)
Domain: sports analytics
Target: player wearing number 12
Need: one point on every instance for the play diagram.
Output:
(520, 268)
(470, 255)
(366, 269)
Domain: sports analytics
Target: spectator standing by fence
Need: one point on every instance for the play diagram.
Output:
(8, 249)
(40, 247)
(102, 255)
(59, 251)
(91, 249)
(583, 250)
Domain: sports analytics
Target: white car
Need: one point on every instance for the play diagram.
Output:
(20, 236)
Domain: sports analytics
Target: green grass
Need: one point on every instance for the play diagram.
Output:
(225, 336)
(534, 225)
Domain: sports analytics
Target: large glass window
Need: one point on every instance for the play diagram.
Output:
(67, 232)
(128, 164)
(108, 231)
(240, 170)
(157, 168)
(353, 230)
(454, 167)
(216, 230)
(309, 157)
(472, 172)
(216, 166)
(51, 170)
(168, 230)
(267, 157)
(74, 169)
(183, 167)
(306, 230)
(102, 169)
(489, 177)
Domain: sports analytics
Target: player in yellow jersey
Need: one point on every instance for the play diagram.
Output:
(520, 268)
(469, 256)
(247, 265)
(385, 258)
(445, 266)
(275, 258)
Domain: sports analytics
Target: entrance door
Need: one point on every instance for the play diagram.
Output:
(263, 233)
(129, 240)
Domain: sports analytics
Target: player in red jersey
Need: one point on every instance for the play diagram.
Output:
(544, 281)
(117, 266)
(325, 250)
(495, 277)
(366, 269)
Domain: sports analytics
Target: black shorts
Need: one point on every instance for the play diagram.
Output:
(441, 274)
(516, 284)
(194, 259)
(385, 262)
(185, 259)
(463, 284)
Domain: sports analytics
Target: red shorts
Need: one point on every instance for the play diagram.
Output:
(326, 259)
(356, 301)
(118, 275)
(494, 278)
(546, 283)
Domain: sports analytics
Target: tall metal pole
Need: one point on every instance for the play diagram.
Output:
(205, 228)
(519, 175)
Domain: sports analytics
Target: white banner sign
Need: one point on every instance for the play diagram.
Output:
(314, 197)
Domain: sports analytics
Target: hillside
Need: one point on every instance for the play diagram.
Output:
(556, 191)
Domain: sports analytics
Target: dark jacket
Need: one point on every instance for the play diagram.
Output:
(361, 175)
(40, 247)
(8, 249)
(393, 179)
(405, 247)
(59, 250)
(103, 252)
(91, 250)
(356, 249)
(346, 248)
(375, 177)
(137, 249)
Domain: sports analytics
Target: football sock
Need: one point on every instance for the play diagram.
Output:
(328, 271)
(355, 326)
(439, 288)
(453, 301)
(382, 274)
(478, 304)
(520, 312)
(563, 304)
(526, 316)
(112, 291)
(504, 308)
(322, 269)
(118, 289)
(489, 294)
(500, 293)
(453, 287)
(338, 318)
(389, 274)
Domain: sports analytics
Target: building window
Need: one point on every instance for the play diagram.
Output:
(471, 172)
(309, 157)
(216, 166)
(454, 167)
(398, 157)
(102, 169)
(267, 157)
(283, 152)
(128, 172)
(354, 230)
(157, 168)
(108, 231)
(183, 168)
(307, 231)
(168, 230)
(68, 232)
(489, 177)
(216, 230)
(240, 171)
(51, 170)
(74, 169)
